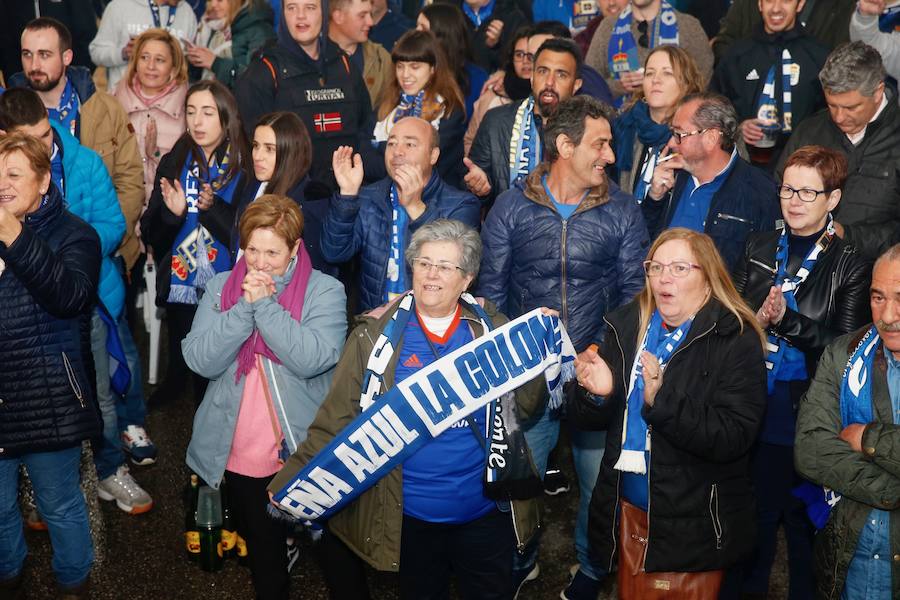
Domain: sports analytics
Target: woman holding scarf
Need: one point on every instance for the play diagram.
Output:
(642, 130)
(679, 381)
(188, 222)
(425, 87)
(267, 335)
(809, 287)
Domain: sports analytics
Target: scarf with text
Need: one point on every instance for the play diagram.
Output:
(396, 282)
(525, 147)
(622, 53)
(396, 422)
(767, 108)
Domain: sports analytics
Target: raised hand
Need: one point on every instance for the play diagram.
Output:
(493, 32)
(664, 174)
(173, 196)
(348, 170)
(593, 374)
(871, 7)
(651, 372)
(410, 184)
(476, 179)
(206, 198)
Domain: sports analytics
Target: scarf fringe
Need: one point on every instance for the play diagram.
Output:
(631, 461)
(182, 294)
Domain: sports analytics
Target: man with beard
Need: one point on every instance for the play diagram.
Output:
(705, 185)
(564, 238)
(848, 443)
(509, 141)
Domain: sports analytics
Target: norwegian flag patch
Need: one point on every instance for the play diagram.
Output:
(326, 122)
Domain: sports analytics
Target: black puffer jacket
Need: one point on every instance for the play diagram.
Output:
(702, 426)
(833, 300)
(47, 290)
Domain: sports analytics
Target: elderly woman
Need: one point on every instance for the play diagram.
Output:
(49, 268)
(430, 516)
(679, 437)
(267, 334)
(809, 287)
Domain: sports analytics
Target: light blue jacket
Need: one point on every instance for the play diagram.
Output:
(91, 195)
(308, 350)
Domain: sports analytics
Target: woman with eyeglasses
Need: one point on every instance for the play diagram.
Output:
(642, 130)
(679, 384)
(808, 287)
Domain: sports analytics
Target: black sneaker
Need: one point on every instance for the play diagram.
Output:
(555, 482)
(521, 576)
(581, 587)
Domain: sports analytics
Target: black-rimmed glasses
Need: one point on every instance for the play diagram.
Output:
(786, 192)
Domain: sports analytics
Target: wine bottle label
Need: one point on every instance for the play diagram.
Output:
(192, 541)
(229, 539)
(241, 546)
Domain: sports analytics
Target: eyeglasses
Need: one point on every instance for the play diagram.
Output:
(643, 40)
(677, 268)
(522, 56)
(786, 192)
(444, 269)
(679, 136)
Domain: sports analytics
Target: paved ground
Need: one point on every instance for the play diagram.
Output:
(144, 556)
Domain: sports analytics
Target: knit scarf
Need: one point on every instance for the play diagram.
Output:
(622, 54)
(410, 105)
(66, 113)
(396, 282)
(856, 407)
(635, 435)
(784, 362)
(525, 148)
(196, 254)
(290, 298)
(637, 123)
(154, 13)
(766, 107)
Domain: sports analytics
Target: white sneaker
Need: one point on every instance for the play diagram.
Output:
(122, 488)
(138, 445)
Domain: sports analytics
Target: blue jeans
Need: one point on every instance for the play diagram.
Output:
(117, 413)
(542, 434)
(55, 478)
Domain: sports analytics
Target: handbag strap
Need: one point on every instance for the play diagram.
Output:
(276, 429)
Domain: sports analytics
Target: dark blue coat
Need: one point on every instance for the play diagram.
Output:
(47, 292)
(362, 224)
(746, 202)
(583, 266)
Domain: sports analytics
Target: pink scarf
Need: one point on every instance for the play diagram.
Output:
(149, 101)
(291, 298)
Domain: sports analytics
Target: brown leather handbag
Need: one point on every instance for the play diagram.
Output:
(637, 584)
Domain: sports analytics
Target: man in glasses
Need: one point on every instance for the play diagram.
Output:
(378, 220)
(863, 123)
(705, 185)
(621, 45)
(563, 238)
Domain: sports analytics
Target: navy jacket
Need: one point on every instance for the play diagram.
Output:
(47, 292)
(746, 202)
(583, 266)
(362, 224)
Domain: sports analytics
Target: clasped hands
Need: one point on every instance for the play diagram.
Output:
(257, 285)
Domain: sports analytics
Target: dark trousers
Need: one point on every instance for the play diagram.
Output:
(179, 318)
(265, 537)
(479, 553)
(773, 479)
(344, 571)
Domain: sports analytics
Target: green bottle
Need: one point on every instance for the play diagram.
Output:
(191, 533)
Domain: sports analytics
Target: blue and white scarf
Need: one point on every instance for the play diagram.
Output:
(68, 110)
(856, 407)
(784, 362)
(154, 12)
(525, 148)
(410, 106)
(622, 53)
(766, 107)
(483, 13)
(396, 422)
(396, 283)
(196, 254)
(635, 435)
(119, 372)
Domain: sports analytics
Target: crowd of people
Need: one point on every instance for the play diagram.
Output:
(336, 201)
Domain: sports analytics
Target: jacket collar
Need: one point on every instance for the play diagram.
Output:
(172, 103)
(780, 38)
(79, 76)
(534, 190)
(48, 211)
(380, 316)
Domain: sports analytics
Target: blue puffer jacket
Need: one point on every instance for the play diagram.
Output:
(47, 290)
(363, 224)
(583, 266)
(90, 194)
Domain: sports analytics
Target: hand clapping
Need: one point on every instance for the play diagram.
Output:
(773, 308)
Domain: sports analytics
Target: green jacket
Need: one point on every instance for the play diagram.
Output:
(370, 525)
(868, 479)
(250, 30)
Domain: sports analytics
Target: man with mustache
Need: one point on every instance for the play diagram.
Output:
(848, 442)
(494, 161)
(564, 238)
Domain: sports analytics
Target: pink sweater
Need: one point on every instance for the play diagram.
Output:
(254, 446)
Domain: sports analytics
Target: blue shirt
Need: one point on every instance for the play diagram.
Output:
(693, 205)
(869, 575)
(483, 13)
(442, 482)
(564, 210)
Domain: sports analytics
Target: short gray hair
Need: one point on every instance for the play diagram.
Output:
(449, 230)
(715, 111)
(570, 118)
(891, 254)
(853, 66)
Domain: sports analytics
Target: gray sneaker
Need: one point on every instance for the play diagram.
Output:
(122, 488)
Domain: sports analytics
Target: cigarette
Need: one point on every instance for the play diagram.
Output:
(667, 158)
